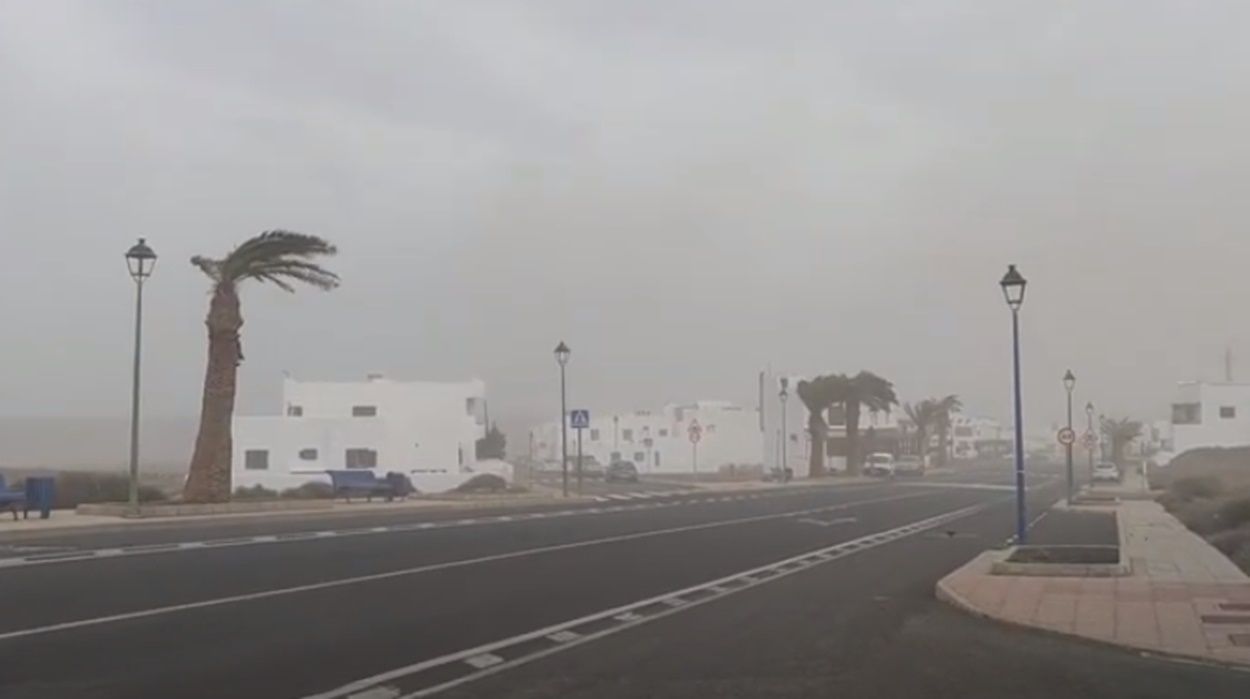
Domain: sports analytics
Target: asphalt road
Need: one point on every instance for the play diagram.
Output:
(800, 592)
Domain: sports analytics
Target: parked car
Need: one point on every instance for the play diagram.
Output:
(590, 465)
(909, 466)
(621, 471)
(879, 464)
(1106, 472)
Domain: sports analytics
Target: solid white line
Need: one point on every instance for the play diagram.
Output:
(446, 565)
(625, 613)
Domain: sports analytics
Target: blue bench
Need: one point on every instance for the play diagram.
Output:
(363, 482)
(12, 498)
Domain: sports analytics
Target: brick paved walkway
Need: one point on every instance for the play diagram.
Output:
(1183, 597)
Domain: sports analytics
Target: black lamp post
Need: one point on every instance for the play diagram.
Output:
(1069, 383)
(562, 358)
(141, 260)
(1089, 430)
(1013, 291)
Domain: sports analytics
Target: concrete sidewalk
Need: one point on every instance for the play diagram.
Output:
(1182, 597)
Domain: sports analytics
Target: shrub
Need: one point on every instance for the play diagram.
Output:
(256, 492)
(312, 490)
(1196, 487)
(1235, 513)
(74, 488)
(483, 483)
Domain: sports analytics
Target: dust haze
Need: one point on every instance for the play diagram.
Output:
(685, 192)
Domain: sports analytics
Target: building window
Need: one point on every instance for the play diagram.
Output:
(663, 432)
(308, 454)
(594, 435)
(256, 460)
(616, 456)
(1228, 412)
(657, 458)
(295, 411)
(470, 407)
(364, 410)
(640, 458)
(627, 435)
(361, 458)
(1186, 413)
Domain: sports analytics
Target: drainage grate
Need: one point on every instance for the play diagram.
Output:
(1225, 619)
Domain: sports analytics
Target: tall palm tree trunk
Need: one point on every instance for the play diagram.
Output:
(816, 460)
(943, 444)
(852, 437)
(209, 478)
(922, 444)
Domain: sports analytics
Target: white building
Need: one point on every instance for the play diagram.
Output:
(425, 430)
(972, 437)
(659, 441)
(1210, 415)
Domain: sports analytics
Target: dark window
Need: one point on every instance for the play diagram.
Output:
(295, 410)
(308, 454)
(256, 460)
(364, 410)
(1186, 413)
(616, 456)
(361, 458)
(663, 432)
(627, 435)
(657, 458)
(1228, 412)
(640, 458)
(594, 435)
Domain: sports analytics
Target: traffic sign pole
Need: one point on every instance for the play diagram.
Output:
(579, 461)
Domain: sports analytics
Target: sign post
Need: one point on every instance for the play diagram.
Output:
(580, 420)
(695, 432)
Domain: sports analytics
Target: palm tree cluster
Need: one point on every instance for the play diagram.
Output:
(933, 414)
(281, 258)
(852, 394)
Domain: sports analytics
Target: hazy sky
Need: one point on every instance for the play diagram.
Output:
(683, 191)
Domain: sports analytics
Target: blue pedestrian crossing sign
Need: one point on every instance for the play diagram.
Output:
(579, 419)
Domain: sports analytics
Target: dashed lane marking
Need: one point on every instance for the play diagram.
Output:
(428, 677)
(446, 565)
(64, 555)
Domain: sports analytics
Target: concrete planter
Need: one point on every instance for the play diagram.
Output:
(121, 509)
(1062, 561)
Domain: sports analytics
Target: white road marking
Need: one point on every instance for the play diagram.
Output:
(564, 636)
(829, 522)
(617, 496)
(380, 692)
(484, 660)
(626, 615)
(446, 565)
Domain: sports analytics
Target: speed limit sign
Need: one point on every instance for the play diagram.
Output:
(695, 432)
(1067, 436)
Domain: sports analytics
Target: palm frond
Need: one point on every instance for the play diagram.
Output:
(278, 257)
(208, 266)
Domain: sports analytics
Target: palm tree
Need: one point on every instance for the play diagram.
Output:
(855, 392)
(1121, 432)
(278, 257)
(817, 395)
(922, 415)
(943, 409)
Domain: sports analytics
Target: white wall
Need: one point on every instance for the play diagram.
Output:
(731, 435)
(425, 430)
(1212, 429)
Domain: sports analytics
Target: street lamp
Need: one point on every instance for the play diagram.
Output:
(1013, 291)
(1089, 430)
(783, 395)
(1069, 383)
(141, 260)
(562, 357)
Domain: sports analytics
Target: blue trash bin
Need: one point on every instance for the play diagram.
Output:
(40, 491)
